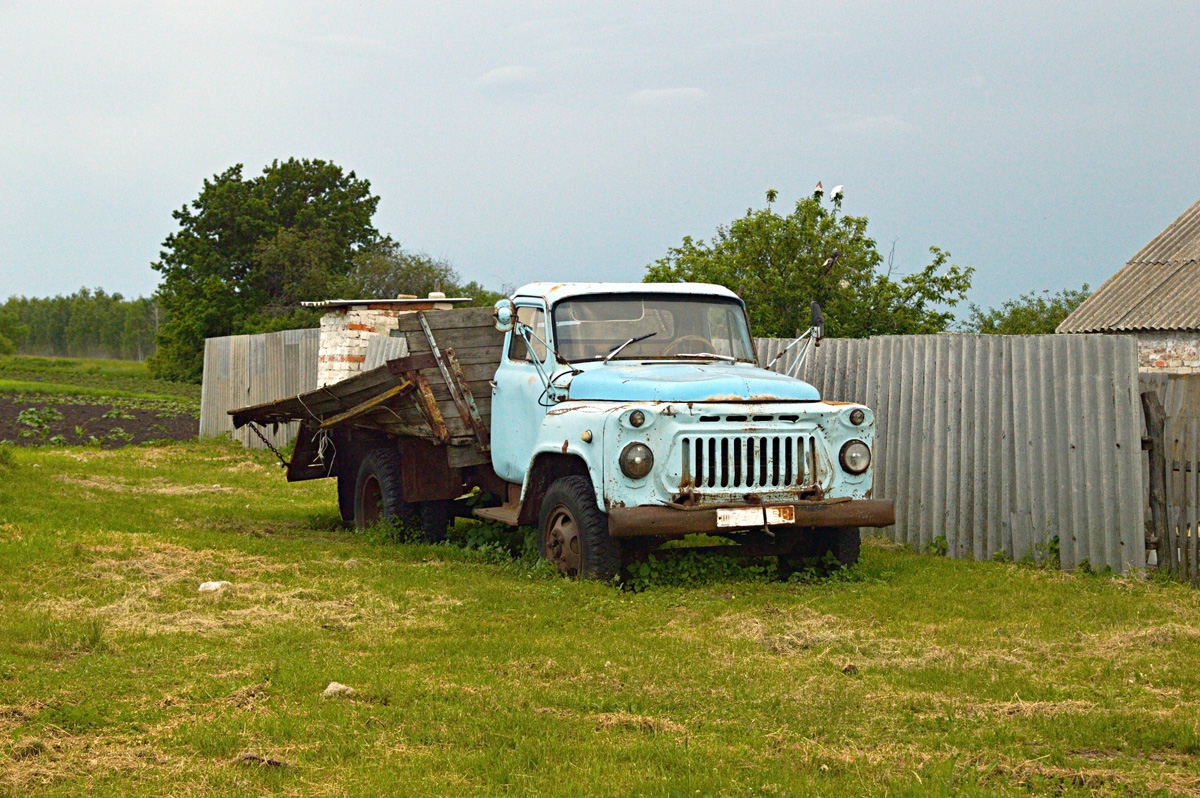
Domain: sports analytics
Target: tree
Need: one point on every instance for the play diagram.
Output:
(247, 250)
(387, 270)
(87, 323)
(1028, 314)
(12, 331)
(778, 264)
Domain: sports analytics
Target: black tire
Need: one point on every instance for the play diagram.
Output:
(845, 544)
(345, 493)
(435, 519)
(573, 533)
(378, 490)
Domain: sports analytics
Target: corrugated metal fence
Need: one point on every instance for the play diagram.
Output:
(241, 370)
(1000, 444)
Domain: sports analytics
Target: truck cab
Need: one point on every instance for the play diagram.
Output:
(625, 415)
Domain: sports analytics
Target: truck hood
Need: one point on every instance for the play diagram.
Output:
(688, 382)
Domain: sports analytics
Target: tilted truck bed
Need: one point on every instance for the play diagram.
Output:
(440, 391)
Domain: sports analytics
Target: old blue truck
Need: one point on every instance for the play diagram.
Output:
(613, 417)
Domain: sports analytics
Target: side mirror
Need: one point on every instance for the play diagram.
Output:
(505, 312)
(818, 321)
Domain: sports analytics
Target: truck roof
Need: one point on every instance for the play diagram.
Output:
(553, 292)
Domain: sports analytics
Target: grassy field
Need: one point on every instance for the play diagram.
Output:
(94, 381)
(107, 402)
(912, 675)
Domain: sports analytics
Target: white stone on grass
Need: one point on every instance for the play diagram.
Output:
(337, 690)
(213, 587)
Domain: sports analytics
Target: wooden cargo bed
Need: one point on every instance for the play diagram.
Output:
(440, 391)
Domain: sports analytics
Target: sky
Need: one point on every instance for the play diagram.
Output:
(1041, 143)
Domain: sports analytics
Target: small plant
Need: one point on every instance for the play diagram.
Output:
(6, 455)
(38, 421)
(1042, 555)
(118, 434)
(118, 412)
(938, 546)
(690, 570)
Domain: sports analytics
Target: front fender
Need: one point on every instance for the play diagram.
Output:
(562, 433)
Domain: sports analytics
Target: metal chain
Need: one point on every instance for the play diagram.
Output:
(282, 460)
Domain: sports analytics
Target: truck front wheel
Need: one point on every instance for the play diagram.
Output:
(573, 533)
(843, 543)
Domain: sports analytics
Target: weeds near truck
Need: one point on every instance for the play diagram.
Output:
(474, 673)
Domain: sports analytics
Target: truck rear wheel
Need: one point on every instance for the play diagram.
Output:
(378, 491)
(573, 533)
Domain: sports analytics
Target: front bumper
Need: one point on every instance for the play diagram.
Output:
(652, 520)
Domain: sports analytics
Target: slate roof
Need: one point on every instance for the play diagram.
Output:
(1158, 289)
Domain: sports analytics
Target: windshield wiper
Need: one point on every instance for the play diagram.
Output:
(613, 352)
(706, 356)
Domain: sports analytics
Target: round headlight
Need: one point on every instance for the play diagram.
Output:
(637, 418)
(636, 460)
(855, 457)
(857, 416)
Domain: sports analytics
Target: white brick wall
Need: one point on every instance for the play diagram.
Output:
(1175, 352)
(344, 336)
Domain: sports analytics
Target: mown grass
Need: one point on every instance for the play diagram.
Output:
(916, 676)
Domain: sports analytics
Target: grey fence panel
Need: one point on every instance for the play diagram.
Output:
(241, 370)
(1002, 443)
(382, 348)
(836, 368)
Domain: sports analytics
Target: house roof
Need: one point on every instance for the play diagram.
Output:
(1158, 289)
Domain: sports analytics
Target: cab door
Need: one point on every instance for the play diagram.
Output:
(519, 400)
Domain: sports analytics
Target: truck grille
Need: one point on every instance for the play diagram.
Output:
(750, 461)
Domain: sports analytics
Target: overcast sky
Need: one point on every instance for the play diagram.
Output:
(1042, 143)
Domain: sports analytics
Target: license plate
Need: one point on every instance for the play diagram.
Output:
(740, 517)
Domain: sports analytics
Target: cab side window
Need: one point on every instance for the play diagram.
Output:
(536, 319)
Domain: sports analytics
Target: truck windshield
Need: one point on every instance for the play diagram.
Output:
(684, 327)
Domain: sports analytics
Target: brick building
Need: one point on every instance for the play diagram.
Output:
(348, 325)
(1156, 298)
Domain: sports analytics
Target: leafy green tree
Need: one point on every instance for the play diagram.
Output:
(247, 250)
(87, 323)
(387, 270)
(779, 263)
(1029, 314)
(12, 331)
(137, 333)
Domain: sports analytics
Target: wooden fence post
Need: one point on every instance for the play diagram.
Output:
(1152, 408)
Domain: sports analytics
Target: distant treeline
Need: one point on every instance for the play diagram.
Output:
(86, 323)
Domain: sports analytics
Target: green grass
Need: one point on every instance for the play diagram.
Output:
(917, 675)
(83, 381)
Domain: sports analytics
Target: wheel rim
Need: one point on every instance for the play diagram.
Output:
(372, 500)
(562, 541)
